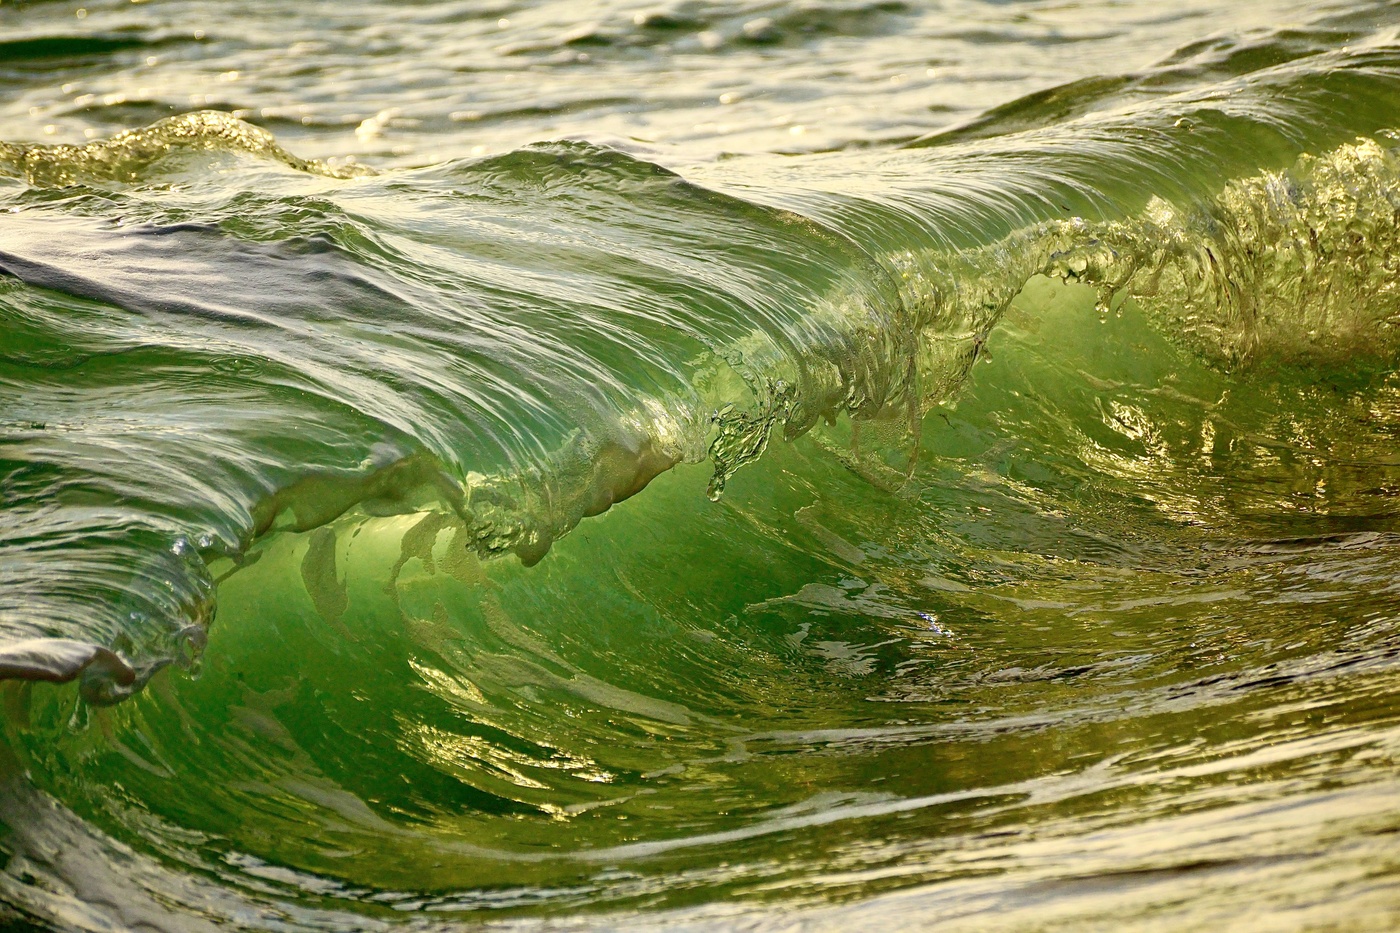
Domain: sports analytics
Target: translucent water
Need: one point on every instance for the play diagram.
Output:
(713, 466)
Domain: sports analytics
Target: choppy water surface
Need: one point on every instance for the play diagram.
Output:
(742, 465)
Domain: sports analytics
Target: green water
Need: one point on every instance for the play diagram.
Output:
(828, 489)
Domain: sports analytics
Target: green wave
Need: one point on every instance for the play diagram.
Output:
(1076, 405)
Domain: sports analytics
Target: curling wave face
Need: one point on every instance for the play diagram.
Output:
(1013, 619)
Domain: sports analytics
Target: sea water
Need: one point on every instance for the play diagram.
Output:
(712, 465)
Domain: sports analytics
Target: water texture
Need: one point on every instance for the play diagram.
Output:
(706, 466)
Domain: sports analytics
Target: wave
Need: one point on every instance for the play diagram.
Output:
(1076, 401)
(203, 351)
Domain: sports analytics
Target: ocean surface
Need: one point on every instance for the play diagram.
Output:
(738, 465)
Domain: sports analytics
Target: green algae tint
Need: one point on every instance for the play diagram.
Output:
(357, 567)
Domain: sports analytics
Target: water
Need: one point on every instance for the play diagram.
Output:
(710, 466)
